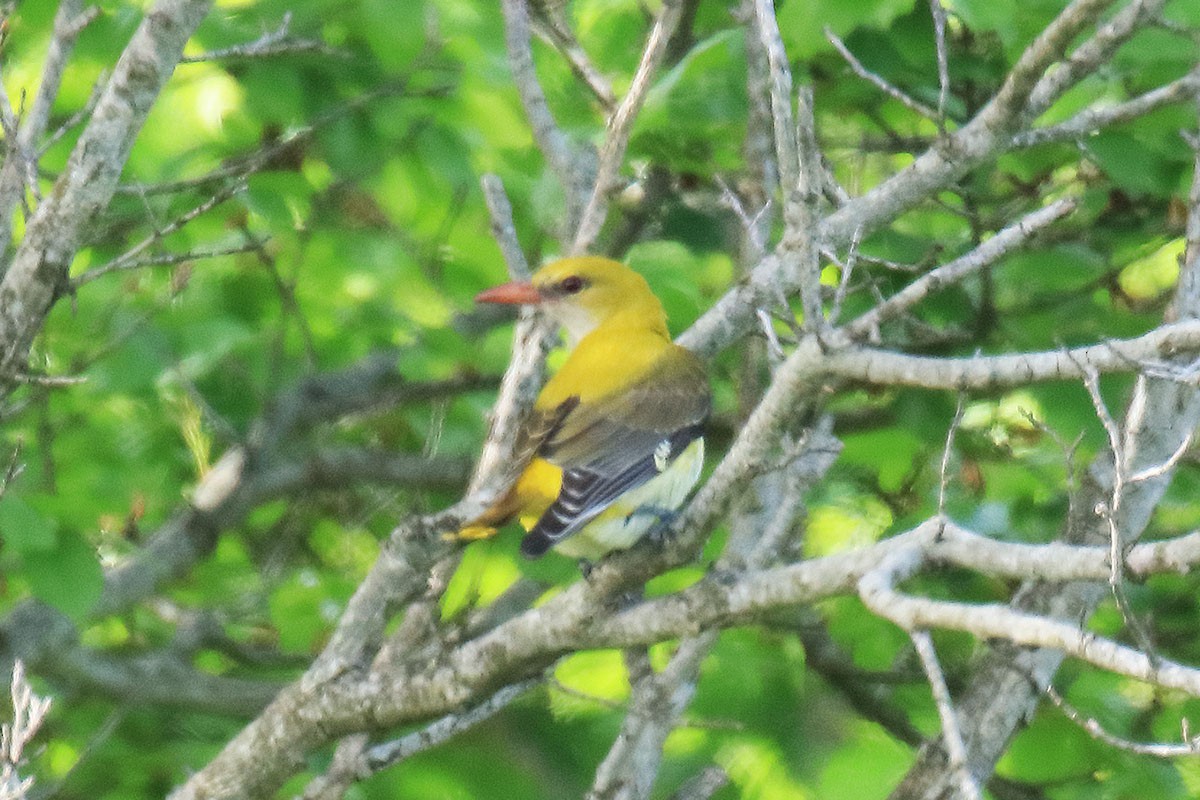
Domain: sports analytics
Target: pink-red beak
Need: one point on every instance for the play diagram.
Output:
(515, 293)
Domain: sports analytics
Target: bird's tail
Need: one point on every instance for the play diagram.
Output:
(535, 544)
(486, 524)
(526, 500)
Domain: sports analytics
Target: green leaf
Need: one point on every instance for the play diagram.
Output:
(1131, 164)
(24, 528)
(67, 577)
(802, 22)
(396, 33)
(694, 116)
(869, 764)
(281, 198)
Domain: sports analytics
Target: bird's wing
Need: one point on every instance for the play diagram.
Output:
(615, 444)
(540, 426)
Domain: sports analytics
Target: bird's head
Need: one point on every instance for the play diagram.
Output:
(584, 292)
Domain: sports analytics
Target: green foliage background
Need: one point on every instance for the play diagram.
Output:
(376, 240)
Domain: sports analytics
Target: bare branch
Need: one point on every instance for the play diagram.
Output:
(33, 379)
(847, 270)
(20, 168)
(943, 65)
(703, 786)
(799, 249)
(550, 22)
(991, 251)
(1093, 53)
(620, 126)
(128, 262)
(947, 452)
(1116, 442)
(1189, 747)
(504, 231)
(915, 106)
(951, 732)
(78, 117)
(29, 711)
(241, 168)
(553, 143)
(129, 258)
(990, 372)
(631, 766)
(1095, 118)
(95, 742)
(780, 89)
(369, 759)
(272, 43)
(388, 753)
(1000, 622)
(14, 468)
(40, 267)
(1006, 110)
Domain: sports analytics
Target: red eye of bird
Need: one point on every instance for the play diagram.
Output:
(572, 284)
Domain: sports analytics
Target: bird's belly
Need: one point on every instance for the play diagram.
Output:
(637, 511)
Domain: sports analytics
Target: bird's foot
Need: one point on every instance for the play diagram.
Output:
(663, 519)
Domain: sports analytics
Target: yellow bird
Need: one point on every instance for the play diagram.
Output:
(614, 443)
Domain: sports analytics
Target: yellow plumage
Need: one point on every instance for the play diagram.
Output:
(614, 443)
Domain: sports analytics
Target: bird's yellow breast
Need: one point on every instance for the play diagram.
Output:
(605, 362)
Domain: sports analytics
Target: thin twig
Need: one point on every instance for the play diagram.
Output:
(287, 293)
(703, 786)
(29, 712)
(21, 166)
(271, 43)
(82, 760)
(943, 64)
(1094, 119)
(1091, 54)
(69, 22)
(754, 230)
(504, 230)
(1122, 447)
(956, 749)
(1158, 470)
(242, 168)
(553, 143)
(75, 119)
(774, 348)
(33, 379)
(14, 469)
(947, 450)
(847, 269)
(551, 23)
(1189, 747)
(620, 126)
(167, 259)
(388, 753)
(130, 256)
(887, 88)
(992, 250)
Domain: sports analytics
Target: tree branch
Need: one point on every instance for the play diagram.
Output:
(39, 269)
(620, 126)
